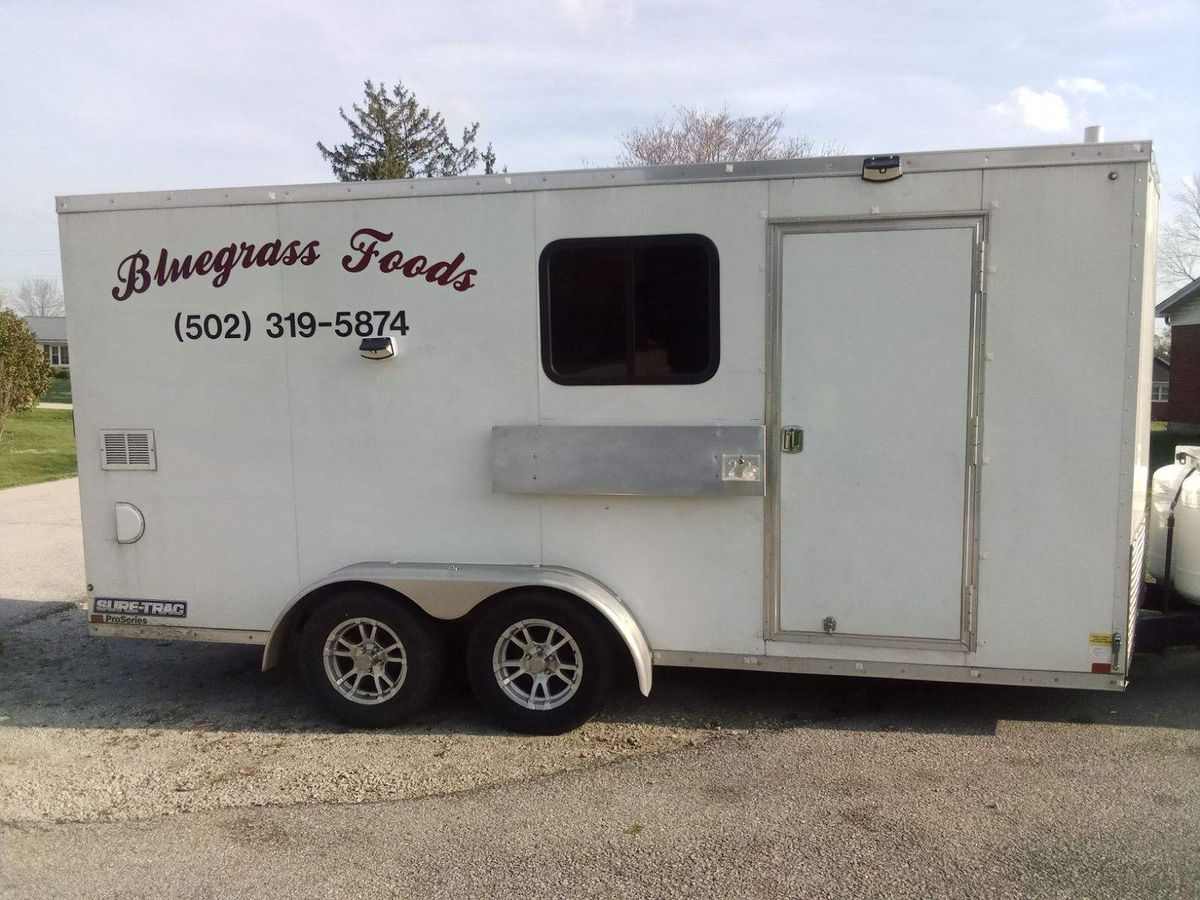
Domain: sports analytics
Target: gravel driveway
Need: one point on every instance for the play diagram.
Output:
(154, 768)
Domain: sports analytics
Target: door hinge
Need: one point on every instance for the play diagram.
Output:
(969, 595)
(982, 266)
(791, 439)
(1116, 651)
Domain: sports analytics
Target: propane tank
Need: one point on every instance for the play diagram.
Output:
(1185, 546)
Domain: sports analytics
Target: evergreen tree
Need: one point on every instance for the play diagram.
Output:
(393, 136)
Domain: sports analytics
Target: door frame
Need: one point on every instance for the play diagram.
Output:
(777, 229)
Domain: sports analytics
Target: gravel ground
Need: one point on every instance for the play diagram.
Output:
(154, 768)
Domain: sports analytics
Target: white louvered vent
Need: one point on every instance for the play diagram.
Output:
(128, 449)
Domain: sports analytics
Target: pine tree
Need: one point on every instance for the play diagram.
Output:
(393, 136)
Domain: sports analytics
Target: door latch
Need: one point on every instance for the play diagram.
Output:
(791, 439)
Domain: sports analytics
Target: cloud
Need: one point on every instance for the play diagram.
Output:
(1082, 85)
(1129, 90)
(1040, 110)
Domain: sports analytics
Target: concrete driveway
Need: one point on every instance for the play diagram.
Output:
(41, 551)
(161, 769)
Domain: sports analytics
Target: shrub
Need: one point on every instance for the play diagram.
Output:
(24, 372)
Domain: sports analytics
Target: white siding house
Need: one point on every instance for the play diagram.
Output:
(51, 333)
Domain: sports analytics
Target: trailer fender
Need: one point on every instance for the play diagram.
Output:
(451, 591)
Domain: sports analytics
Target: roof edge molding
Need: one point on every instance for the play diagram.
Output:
(810, 167)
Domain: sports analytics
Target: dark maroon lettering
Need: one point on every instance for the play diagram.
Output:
(223, 264)
(415, 266)
(246, 255)
(291, 254)
(170, 269)
(359, 242)
(443, 272)
(268, 254)
(133, 276)
(391, 261)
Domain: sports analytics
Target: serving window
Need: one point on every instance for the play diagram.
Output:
(630, 310)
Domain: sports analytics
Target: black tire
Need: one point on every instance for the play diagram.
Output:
(422, 648)
(590, 646)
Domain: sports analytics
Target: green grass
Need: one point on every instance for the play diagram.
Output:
(37, 446)
(1163, 443)
(59, 391)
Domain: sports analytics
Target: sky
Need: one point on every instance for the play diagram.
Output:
(125, 95)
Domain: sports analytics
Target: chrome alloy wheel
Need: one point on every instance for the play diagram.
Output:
(365, 661)
(537, 664)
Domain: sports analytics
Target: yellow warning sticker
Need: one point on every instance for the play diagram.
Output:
(1100, 638)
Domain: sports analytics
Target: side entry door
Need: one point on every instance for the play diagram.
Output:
(878, 331)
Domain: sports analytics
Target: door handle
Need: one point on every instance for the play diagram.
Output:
(791, 439)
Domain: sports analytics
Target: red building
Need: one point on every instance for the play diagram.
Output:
(1175, 393)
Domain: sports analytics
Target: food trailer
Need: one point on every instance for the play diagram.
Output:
(876, 416)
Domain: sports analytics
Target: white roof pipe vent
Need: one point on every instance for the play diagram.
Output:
(1093, 134)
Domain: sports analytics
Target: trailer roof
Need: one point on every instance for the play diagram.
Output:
(574, 179)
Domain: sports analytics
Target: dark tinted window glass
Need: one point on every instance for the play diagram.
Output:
(588, 320)
(671, 311)
(637, 310)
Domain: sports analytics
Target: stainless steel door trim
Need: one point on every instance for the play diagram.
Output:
(977, 222)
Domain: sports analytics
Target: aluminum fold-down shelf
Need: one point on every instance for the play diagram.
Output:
(650, 460)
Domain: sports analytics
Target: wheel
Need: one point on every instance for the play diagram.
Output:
(370, 659)
(540, 663)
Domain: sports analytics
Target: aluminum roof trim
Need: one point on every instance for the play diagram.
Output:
(580, 179)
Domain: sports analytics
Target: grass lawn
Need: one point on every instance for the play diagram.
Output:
(1163, 442)
(59, 391)
(37, 446)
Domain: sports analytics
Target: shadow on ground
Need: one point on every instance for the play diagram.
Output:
(53, 674)
(19, 612)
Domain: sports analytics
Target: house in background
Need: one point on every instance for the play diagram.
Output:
(1181, 396)
(51, 334)
(1160, 389)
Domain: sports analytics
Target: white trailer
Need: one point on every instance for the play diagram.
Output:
(883, 417)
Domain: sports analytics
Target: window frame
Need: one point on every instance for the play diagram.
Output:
(1160, 386)
(632, 242)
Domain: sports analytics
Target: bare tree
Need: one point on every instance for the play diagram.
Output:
(1162, 343)
(39, 297)
(694, 135)
(1179, 243)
